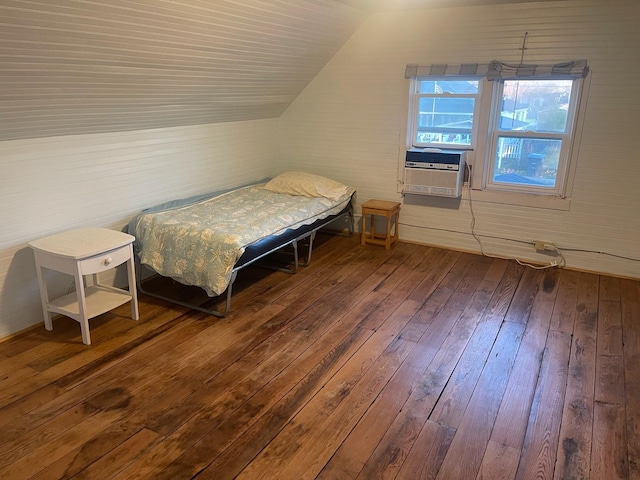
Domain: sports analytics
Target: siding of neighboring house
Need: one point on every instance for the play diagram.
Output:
(350, 122)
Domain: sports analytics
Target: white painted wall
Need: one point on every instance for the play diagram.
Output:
(349, 123)
(53, 184)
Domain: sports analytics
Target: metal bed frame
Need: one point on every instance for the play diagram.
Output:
(309, 234)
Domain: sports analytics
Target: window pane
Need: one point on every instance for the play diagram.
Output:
(467, 87)
(527, 161)
(445, 120)
(535, 105)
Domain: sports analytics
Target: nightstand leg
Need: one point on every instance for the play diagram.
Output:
(44, 297)
(131, 269)
(82, 306)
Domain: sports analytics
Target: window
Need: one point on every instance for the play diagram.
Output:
(518, 121)
(531, 125)
(444, 112)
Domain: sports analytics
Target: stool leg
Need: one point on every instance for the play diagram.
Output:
(387, 239)
(363, 235)
(372, 227)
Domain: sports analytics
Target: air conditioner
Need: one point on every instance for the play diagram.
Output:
(434, 172)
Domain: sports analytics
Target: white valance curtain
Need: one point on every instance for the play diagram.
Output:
(496, 70)
(444, 70)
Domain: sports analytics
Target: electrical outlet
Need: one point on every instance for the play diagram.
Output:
(543, 246)
(538, 244)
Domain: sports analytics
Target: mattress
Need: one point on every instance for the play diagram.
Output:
(201, 242)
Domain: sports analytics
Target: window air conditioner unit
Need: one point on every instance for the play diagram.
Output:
(434, 172)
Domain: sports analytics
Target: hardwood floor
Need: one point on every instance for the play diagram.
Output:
(411, 363)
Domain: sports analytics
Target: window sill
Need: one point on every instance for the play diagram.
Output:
(520, 199)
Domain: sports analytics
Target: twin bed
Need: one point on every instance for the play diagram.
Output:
(204, 241)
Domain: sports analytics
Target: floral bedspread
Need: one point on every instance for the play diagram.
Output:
(199, 244)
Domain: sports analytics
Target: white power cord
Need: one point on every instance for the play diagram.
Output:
(553, 264)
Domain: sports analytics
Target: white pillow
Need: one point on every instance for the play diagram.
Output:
(308, 185)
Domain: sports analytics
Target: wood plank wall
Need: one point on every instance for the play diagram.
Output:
(349, 123)
(75, 66)
(53, 184)
(72, 70)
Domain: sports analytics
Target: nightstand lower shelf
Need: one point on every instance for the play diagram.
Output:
(100, 299)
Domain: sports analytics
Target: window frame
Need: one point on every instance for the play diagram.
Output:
(567, 139)
(480, 151)
(414, 110)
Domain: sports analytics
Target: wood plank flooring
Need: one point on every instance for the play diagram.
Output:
(413, 363)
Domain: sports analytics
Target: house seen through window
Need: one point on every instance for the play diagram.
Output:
(532, 132)
(445, 112)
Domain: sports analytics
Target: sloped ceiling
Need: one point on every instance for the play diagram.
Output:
(81, 66)
(381, 5)
(88, 66)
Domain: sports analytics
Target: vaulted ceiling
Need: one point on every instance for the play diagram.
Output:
(88, 66)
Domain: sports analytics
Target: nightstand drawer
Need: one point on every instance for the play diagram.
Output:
(105, 261)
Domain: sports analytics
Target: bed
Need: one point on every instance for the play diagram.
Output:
(205, 241)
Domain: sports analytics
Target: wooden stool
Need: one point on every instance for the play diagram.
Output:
(385, 209)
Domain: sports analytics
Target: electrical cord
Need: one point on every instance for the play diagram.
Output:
(560, 264)
(526, 242)
(584, 250)
(558, 250)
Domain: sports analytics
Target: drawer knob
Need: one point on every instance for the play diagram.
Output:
(107, 261)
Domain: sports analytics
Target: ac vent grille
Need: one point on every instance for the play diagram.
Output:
(424, 175)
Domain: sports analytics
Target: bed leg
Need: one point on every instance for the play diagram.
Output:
(229, 288)
(215, 313)
(311, 238)
(138, 266)
(352, 227)
(296, 262)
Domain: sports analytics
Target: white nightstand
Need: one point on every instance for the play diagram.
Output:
(87, 251)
